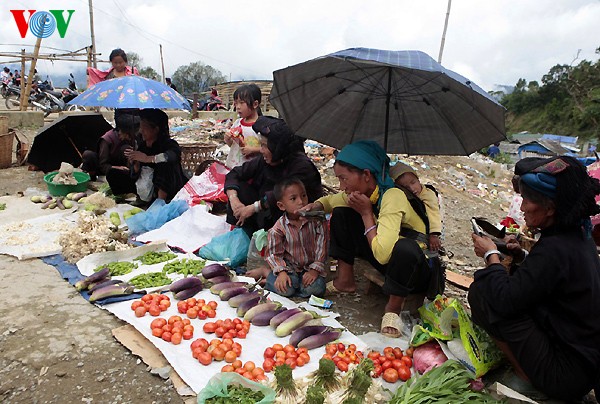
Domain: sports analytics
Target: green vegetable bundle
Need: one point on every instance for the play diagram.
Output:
(184, 266)
(117, 268)
(150, 280)
(445, 384)
(238, 394)
(155, 257)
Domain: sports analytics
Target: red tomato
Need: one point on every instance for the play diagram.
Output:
(202, 315)
(212, 304)
(136, 304)
(173, 319)
(398, 353)
(268, 364)
(158, 323)
(218, 354)
(277, 347)
(331, 349)
(209, 327)
(164, 304)
(230, 357)
(176, 338)
(199, 343)
(407, 361)
(188, 334)
(211, 314)
(390, 375)
(237, 364)
(196, 352)
(342, 366)
(373, 355)
(386, 365)
(241, 334)
(166, 336)
(291, 363)
(377, 371)
(227, 368)
(192, 312)
(397, 364)
(228, 334)
(341, 347)
(140, 311)
(404, 373)
(205, 358)
(269, 353)
(157, 332)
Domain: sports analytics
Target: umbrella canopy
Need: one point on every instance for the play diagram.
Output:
(66, 139)
(131, 92)
(404, 100)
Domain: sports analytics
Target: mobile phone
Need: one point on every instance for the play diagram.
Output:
(476, 228)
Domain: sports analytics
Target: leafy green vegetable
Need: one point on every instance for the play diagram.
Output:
(150, 280)
(315, 394)
(118, 268)
(2, 206)
(155, 257)
(360, 381)
(237, 394)
(445, 384)
(325, 376)
(184, 266)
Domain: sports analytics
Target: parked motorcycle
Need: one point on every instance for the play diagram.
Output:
(71, 92)
(37, 99)
(4, 86)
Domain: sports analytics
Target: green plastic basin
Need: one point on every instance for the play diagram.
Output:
(61, 189)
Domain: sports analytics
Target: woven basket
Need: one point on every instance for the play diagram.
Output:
(193, 154)
(6, 143)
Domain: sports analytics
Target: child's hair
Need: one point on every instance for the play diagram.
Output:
(281, 186)
(249, 93)
(118, 52)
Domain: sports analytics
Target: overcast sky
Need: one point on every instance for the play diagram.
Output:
(491, 42)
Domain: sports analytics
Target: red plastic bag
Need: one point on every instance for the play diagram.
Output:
(207, 187)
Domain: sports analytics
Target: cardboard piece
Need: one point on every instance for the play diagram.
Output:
(459, 280)
(131, 339)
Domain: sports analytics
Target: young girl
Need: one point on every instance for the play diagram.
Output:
(118, 60)
(242, 139)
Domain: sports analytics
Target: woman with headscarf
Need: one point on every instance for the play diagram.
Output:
(368, 220)
(544, 313)
(249, 187)
(156, 164)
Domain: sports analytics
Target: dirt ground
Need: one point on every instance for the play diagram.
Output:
(56, 347)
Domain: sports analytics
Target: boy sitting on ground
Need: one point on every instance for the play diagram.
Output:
(297, 247)
(406, 178)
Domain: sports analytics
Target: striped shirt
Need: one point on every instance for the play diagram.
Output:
(293, 248)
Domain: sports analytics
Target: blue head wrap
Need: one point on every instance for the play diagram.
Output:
(543, 183)
(368, 155)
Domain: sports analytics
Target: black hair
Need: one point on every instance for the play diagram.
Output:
(249, 93)
(168, 79)
(281, 186)
(127, 123)
(118, 52)
(157, 118)
(6, 69)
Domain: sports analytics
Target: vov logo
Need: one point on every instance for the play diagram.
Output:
(42, 24)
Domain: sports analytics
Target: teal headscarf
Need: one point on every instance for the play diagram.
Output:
(368, 155)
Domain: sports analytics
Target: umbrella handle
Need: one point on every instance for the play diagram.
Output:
(75, 147)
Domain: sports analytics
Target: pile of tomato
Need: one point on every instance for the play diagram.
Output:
(172, 330)
(152, 303)
(197, 308)
(342, 355)
(217, 350)
(249, 370)
(392, 364)
(278, 355)
(227, 328)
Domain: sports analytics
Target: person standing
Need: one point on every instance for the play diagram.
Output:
(243, 141)
(170, 83)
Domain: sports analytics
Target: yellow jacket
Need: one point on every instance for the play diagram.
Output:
(432, 207)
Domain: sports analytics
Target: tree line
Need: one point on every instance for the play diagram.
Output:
(567, 102)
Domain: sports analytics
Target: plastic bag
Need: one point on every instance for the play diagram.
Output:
(232, 246)
(144, 185)
(445, 319)
(255, 258)
(217, 387)
(207, 186)
(155, 216)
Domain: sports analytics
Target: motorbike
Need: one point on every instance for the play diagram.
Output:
(4, 86)
(71, 92)
(37, 99)
(210, 104)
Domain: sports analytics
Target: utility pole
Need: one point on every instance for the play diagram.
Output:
(94, 61)
(36, 52)
(22, 99)
(162, 64)
(444, 33)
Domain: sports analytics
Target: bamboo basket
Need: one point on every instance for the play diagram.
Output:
(193, 154)
(6, 143)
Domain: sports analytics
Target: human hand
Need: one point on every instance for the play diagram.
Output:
(135, 155)
(247, 150)
(482, 244)
(122, 168)
(311, 206)
(514, 248)
(434, 242)
(360, 203)
(309, 277)
(283, 281)
(244, 213)
(228, 139)
(236, 206)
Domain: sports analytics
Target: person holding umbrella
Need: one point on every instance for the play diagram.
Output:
(156, 164)
(543, 313)
(368, 219)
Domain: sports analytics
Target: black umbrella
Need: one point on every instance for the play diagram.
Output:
(65, 140)
(404, 100)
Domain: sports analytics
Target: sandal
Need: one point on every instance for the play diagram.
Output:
(391, 320)
(330, 290)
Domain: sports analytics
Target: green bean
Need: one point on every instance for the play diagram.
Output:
(155, 257)
(118, 268)
(150, 280)
(184, 266)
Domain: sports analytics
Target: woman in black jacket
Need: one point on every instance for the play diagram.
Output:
(545, 312)
(249, 187)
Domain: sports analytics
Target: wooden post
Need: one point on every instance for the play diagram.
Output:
(36, 52)
(444, 33)
(22, 81)
(195, 106)
(162, 64)
(94, 61)
(89, 62)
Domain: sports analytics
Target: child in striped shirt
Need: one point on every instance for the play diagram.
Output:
(297, 246)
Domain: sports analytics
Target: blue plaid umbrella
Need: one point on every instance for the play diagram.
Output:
(131, 92)
(404, 100)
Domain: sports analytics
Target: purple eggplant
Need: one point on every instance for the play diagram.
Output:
(247, 305)
(185, 283)
(220, 279)
(318, 340)
(103, 283)
(216, 289)
(263, 319)
(284, 315)
(228, 293)
(303, 332)
(239, 299)
(214, 270)
(187, 293)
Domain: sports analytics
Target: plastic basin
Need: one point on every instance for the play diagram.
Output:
(61, 189)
